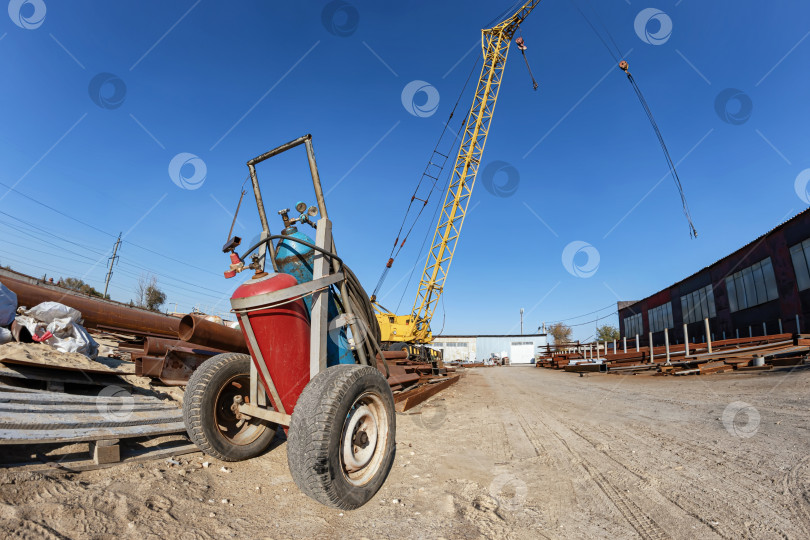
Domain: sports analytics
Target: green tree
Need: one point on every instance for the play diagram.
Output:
(77, 284)
(607, 332)
(561, 334)
(149, 295)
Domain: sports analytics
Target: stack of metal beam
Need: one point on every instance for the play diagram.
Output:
(743, 354)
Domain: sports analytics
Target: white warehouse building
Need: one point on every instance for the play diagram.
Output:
(520, 349)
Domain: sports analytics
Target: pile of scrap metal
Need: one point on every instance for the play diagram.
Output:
(53, 394)
(722, 356)
(413, 381)
(161, 346)
(173, 359)
(170, 348)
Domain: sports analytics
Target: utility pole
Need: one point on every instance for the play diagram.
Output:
(521, 321)
(113, 260)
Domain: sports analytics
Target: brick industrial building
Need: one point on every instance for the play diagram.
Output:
(763, 287)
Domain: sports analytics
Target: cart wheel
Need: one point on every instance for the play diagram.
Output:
(340, 446)
(208, 404)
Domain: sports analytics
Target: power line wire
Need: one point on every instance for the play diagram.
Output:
(429, 173)
(32, 199)
(185, 263)
(48, 241)
(611, 305)
(51, 233)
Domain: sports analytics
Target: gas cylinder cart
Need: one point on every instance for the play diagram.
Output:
(332, 400)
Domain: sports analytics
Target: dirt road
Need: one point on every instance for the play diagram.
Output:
(507, 453)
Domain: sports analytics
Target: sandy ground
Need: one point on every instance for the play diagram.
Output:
(42, 354)
(507, 453)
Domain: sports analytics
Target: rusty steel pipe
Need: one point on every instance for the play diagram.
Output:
(199, 331)
(154, 346)
(394, 355)
(21, 333)
(95, 311)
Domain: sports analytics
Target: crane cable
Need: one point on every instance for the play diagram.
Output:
(395, 250)
(692, 231)
(624, 67)
(397, 246)
(522, 46)
(424, 241)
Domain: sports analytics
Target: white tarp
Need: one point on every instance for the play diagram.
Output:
(8, 305)
(49, 312)
(64, 323)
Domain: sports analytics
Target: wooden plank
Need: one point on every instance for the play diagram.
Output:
(103, 452)
(10, 388)
(46, 357)
(33, 436)
(737, 361)
(40, 374)
(585, 368)
(178, 448)
(412, 398)
(791, 361)
(100, 370)
(722, 369)
(711, 367)
(63, 398)
(81, 407)
(112, 417)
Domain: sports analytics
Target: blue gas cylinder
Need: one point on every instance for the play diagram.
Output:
(296, 259)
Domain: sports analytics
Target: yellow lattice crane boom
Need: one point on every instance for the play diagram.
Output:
(415, 327)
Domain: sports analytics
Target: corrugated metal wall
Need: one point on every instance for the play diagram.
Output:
(480, 348)
(501, 345)
(456, 348)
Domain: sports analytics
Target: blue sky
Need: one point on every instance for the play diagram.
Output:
(100, 97)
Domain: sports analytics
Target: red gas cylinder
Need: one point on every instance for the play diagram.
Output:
(282, 336)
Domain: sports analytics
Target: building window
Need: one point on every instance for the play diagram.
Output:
(800, 253)
(633, 325)
(752, 286)
(449, 345)
(660, 317)
(698, 305)
(523, 343)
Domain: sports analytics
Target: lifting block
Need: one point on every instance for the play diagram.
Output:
(105, 451)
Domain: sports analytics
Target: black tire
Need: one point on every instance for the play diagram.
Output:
(336, 399)
(210, 423)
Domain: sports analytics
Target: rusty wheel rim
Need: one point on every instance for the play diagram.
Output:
(237, 429)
